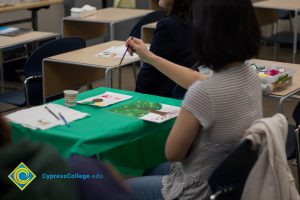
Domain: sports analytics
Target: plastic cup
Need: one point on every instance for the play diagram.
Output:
(70, 97)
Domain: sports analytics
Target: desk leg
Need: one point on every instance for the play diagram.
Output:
(1, 72)
(108, 78)
(34, 16)
(295, 36)
(111, 31)
(282, 100)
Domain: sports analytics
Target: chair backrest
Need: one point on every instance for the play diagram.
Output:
(229, 178)
(147, 19)
(33, 65)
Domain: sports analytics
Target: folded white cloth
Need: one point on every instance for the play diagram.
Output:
(85, 11)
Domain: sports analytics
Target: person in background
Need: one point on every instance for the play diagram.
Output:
(215, 112)
(172, 40)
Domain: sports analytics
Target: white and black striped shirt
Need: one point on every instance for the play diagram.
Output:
(226, 104)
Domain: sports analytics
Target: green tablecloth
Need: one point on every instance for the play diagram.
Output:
(131, 144)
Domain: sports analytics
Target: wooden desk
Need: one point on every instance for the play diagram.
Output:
(7, 42)
(34, 7)
(288, 91)
(77, 68)
(100, 23)
(292, 5)
(147, 32)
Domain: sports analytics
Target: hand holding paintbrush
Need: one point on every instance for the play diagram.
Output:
(135, 45)
(124, 55)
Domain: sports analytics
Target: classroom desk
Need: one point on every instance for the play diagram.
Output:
(287, 92)
(129, 143)
(77, 68)
(7, 42)
(100, 23)
(147, 32)
(34, 7)
(292, 5)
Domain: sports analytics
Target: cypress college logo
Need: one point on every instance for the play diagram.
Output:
(22, 176)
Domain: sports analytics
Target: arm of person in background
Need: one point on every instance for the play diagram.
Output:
(181, 75)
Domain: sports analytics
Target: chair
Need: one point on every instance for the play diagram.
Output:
(136, 32)
(271, 17)
(32, 94)
(228, 179)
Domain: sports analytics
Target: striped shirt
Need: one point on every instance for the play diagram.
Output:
(226, 104)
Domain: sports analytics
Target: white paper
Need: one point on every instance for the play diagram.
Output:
(85, 11)
(168, 112)
(107, 98)
(40, 118)
(116, 52)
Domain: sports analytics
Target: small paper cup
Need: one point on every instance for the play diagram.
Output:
(70, 97)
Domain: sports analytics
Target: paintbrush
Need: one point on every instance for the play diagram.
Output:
(124, 55)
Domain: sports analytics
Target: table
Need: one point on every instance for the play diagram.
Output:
(148, 31)
(292, 5)
(77, 68)
(34, 7)
(129, 143)
(7, 42)
(288, 91)
(100, 23)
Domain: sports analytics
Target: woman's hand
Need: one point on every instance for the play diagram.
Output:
(139, 47)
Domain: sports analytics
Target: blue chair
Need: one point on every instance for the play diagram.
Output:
(32, 94)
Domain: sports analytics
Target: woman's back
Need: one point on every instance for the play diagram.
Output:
(226, 105)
